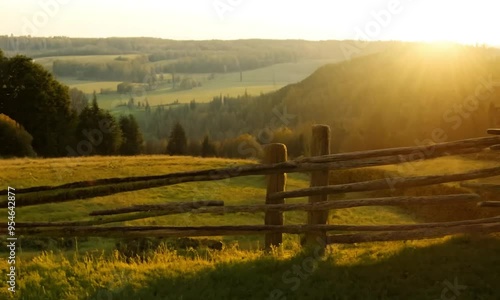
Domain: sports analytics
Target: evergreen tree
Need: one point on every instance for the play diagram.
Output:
(177, 142)
(112, 138)
(132, 140)
(99, 128)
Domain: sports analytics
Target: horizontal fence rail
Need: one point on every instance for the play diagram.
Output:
(388, 183)
(418, 234)
(317, 206)
(175, 231)
(213, 207)
(489, 204)
(422, 151)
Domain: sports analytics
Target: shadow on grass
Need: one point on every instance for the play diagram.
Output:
(460, 268)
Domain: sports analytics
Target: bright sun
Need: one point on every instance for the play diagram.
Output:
(448, 21)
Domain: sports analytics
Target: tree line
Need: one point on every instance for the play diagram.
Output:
(133, 70)
(139, 69)
(164, 49)
(226, 62)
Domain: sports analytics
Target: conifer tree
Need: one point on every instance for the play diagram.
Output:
(177, 142)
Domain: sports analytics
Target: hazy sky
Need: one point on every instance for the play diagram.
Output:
(463, 21)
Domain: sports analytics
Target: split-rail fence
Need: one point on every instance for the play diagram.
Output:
(275, 166)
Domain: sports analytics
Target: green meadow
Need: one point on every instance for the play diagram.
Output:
(94, 268)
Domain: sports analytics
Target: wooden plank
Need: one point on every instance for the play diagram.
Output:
(320, 145)
(389, 183)
(235, 230)
(342, 204)
(420, 151)
(337, 204)
(495, 131)
(274, 153)
(378, 161)
(489, 204)
(417, 234)
(495, 147)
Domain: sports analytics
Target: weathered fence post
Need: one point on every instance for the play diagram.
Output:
(274, 153)
(320, 145)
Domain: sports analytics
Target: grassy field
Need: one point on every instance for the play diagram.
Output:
(254, 82)
(90, 87)
(92, 269)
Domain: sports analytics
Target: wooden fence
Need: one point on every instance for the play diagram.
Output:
(275, 167)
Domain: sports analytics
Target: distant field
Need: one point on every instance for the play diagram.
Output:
(200, 94)
(284, 73)
(255, 82)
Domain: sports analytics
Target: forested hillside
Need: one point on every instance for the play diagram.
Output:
(402, 96)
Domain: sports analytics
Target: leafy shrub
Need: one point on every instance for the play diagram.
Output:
(14, 139)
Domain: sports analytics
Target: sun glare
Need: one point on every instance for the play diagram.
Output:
(446, 21)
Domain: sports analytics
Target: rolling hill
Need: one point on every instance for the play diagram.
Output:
(401, 96)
